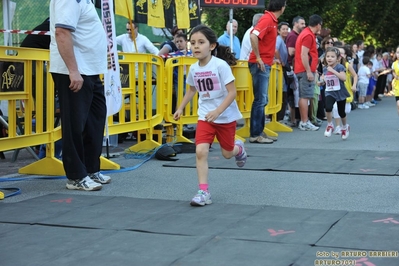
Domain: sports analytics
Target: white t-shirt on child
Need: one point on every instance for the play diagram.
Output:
(209, 82)
(363, 73)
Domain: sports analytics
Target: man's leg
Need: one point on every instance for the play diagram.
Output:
(74, 108)
(260, 81)
(94, 129)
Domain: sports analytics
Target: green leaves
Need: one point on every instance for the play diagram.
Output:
(375, 22)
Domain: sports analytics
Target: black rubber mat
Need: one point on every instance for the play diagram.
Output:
(359, 162)
(60, 229)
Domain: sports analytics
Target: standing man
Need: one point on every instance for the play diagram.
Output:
(78, 54)
(246, 41)
(225, 38)
(298, 24)
(305, 65)
(263, 42)
(143, 44)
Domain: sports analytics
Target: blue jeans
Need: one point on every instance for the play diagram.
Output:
(260, 83)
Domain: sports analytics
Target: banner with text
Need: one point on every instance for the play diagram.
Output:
(112, 82)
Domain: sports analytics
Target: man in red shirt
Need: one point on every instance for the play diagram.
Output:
(263, 42)
(306, 59)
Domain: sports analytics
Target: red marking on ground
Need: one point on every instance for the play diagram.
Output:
(278, 232)
(364, 262)
(386, 221)
(367, 170)
(68, 200)
(382, 158)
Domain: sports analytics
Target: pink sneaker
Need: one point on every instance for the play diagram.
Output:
(241, 158)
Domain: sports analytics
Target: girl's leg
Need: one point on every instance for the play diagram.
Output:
(202, 151)
(397, 104)
(329, 107)
(341, 112)
(225, 133)
(205, 134)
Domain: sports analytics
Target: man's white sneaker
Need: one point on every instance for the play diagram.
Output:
(100, 178)
(84, 184)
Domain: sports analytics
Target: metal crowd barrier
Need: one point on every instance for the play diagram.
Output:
(28, 88)
(142, 78)
(147, 88)
(275, 101)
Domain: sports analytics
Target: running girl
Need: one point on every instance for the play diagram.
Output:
(212, 77)
(335, 76)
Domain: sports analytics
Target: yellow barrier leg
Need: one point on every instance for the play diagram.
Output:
(46, 166)
(244, 130)
(277, 126)
(179, 135)
(106, 164)
(144, 146)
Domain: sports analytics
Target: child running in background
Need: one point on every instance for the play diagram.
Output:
(395, 81)
(364, 75)
(335, 76)
(212, 77)
(351, 87)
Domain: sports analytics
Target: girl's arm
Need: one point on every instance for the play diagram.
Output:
(355, 78)
(231, 95)
(340, 75)
(187, 97)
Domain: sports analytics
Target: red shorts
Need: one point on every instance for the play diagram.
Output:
(225, 133)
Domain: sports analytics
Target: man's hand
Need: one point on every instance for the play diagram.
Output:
(76, 81)
(310, 76)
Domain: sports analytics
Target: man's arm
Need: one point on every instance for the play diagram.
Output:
(291, 51)
(305, 62)
(150, 47)
(64, 41)
(255, 50)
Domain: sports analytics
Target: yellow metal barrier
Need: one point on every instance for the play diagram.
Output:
(142, 78)
(245, 95)
(275, 96)
(190, 112)
(27, 86)
(29, 123)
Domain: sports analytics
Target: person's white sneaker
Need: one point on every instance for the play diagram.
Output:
(329, 130)
(100, 178)
(84, 184)
(345, 132)
(337, 130)
(308, 126)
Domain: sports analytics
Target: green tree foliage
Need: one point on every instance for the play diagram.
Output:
(375, 22)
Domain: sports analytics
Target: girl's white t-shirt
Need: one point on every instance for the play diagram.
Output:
(209, 82)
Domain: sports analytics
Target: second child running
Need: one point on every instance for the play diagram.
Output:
(335, 76)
